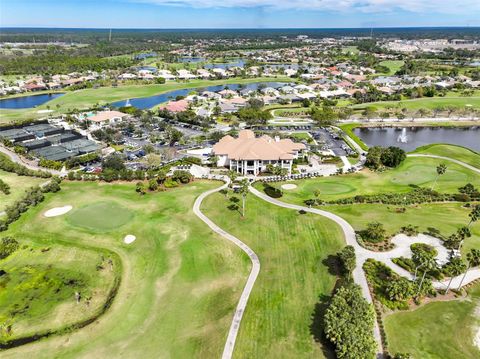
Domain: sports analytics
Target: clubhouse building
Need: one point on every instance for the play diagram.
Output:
(250, 155)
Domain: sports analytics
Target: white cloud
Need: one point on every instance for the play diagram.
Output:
(370, 6)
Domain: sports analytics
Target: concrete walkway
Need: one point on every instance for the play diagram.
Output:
(242, 304)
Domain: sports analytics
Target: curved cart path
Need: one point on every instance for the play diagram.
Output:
(242, 303)
(466, 165)
(358, 273)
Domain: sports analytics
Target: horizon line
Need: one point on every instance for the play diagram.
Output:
(245, 28)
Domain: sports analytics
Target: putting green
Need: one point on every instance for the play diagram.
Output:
(101, 216)
(335, 188)
(420, 174)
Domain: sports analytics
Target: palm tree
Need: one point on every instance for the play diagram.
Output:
(428, 265)
(244, 191)
(232, 175)
(441, 169)
(474, 215)
(454, 267)
(473, 260)
(418, 259)
(463, 233)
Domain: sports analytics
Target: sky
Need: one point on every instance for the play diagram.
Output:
(238, 13)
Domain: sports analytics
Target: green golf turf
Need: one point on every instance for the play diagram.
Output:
(180, 283)
(293, 249)
(441, 330)
(100, 216)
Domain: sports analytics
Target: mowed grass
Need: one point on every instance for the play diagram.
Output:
(38, 290)
(18, 185)
(292, 248)
(439, 330)
(393, 66)
(430, 103)
(100, 216)
(456, 152)
(446, 217)
(180, 282)
(413, 171)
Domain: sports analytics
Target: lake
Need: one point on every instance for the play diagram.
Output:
(28, 101)
(409, 138)
(143, 103)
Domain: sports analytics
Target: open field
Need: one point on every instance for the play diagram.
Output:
(84, 99)
(413, 171)
(457, 152)
(180, 282)
(292, 248)
(18, 185)
(393, 65)
(440, 330)
(38, 291)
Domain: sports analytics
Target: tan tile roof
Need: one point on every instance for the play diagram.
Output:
(249, 147)
(106, 116)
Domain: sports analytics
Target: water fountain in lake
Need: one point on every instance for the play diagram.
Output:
(403, 138)
(127, 103)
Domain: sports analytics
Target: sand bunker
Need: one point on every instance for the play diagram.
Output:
(129, 238)
(289, 186)
(57, 211)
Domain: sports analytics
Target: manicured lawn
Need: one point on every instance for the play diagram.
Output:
(18, 185)
(292, 248)
(459, 153)
(440, 330)
(180, 283)
(413, 171)
(428, 103)
(100, 216)
(84, 99)
(446, 217)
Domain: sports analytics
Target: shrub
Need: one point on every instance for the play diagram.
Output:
(272, 191)
(9, 166)
(182, 176)
(409, 230)
(374, 232)
(170, 183)
(8, 245)
(4, 187)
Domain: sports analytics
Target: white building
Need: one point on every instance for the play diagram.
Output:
(250, 155)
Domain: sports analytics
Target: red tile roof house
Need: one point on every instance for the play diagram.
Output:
(175, 106)
(250, 155)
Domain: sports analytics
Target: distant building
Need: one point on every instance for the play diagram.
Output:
(250, 155)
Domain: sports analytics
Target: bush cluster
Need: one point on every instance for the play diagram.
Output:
(31, 198)
(9, 166)
(380, 157)
(4, 187)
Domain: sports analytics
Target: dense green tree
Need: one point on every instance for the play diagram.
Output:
(348, 260)
(348, 324)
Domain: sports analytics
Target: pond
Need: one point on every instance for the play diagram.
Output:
(409, 138)
(226, 66)
(28, 101)
(143, 103)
